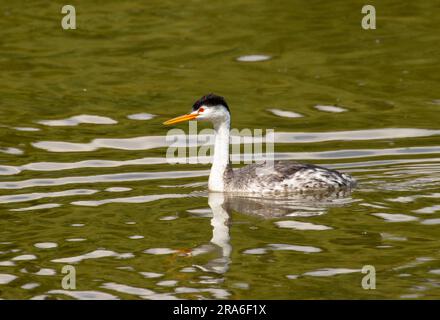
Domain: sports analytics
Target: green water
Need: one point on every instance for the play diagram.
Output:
(153, 237)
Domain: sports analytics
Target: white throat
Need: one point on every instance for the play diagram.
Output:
(220, 160)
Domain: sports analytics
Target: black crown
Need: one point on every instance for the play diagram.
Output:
(210, 100)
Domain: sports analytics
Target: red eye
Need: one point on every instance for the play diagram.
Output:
(201, 109)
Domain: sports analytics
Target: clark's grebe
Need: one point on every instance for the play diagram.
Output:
(283, 177)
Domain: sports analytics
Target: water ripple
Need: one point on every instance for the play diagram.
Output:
(285, 114)
(136, 199)
(330, 108)
(100, 253)
(395, 217)
(141, 116)
(41, 195)
(320, 155)
(328, 272)
(253, 58)
(298, 225)
(38, 207)
(132, 176)
(290, 247)
(85, 295)
(6, 278)
(76, 120)
(151, 142)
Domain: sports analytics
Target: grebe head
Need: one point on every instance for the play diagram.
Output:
(211, 108)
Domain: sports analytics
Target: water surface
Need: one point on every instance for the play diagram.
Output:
(84, 180)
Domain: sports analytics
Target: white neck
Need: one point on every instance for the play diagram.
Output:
(220, 160)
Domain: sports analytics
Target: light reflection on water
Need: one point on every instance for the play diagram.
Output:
(309, 225)
(151, 142)
(76, 120)
(84, 179)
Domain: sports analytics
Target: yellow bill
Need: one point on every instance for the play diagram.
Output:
(185, 117)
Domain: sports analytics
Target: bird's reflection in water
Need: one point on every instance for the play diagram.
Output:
(278, 206)
(222, 205)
